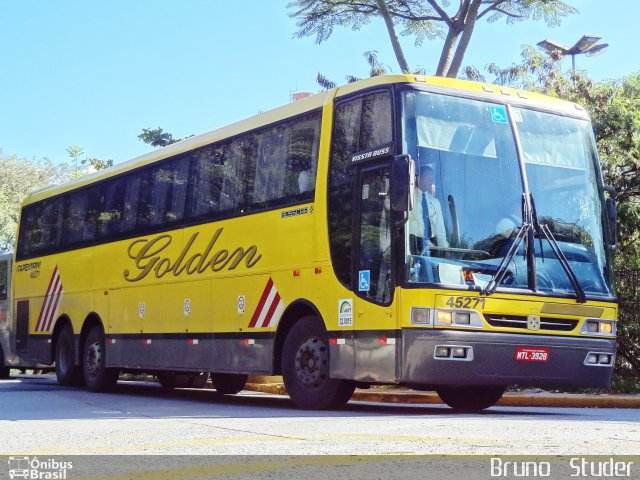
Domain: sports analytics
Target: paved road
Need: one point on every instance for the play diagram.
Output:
(38, 417)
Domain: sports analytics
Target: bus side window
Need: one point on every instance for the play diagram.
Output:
(163, 191)
(81, 216)
(119, 206)
(238, 170)
(206, 182)
(303, 158)
(50, 226)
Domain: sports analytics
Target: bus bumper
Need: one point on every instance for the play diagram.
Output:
(497, 359)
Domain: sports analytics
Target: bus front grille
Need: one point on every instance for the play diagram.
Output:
(521, 321)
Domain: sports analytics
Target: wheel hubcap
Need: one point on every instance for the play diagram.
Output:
(312, 361)
(94, 359)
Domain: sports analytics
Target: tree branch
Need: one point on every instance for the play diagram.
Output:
(397, 48)
(494, 6)
(441, 12)
(469, 22)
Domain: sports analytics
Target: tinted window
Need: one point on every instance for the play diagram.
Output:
(270, 167)
(163, 190)
(119, 205)
(206, 183)
(286, 162)
(83, 207)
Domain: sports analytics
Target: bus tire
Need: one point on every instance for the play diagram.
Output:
(305, 368)
(228, 383)
(67, 373)
(471, 398)
(97, 377)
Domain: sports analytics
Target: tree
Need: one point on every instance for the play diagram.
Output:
(93, 163)
(423, 20)
(75, 152)
(156, 137)
(96, 164)
(19, 177)
(375, 69)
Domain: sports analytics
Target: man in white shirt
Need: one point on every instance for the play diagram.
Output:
(426, 220)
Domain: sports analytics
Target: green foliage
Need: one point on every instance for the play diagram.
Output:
(19, 177)
(156, 137)
(97, 164)
(93, 163)
(423, 20)
(375, 69)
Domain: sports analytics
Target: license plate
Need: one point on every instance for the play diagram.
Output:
(532, 354)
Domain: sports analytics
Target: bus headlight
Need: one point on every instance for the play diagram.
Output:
(458, 318)
(605, 328)
(420, 316)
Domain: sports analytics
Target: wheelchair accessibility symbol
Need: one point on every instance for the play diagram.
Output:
(364, 280)
(498, 114)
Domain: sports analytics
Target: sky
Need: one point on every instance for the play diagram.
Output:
(95, 73)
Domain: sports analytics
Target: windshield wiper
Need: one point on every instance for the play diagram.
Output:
(543, 230)
(523, 230)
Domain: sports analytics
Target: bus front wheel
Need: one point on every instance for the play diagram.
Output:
(471, 398)
(67, 373)
(305, 368)
(97, 377)
(228, 383)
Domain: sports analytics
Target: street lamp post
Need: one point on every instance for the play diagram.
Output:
(588, 45)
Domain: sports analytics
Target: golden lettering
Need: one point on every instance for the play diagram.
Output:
(147, 252)
(147, 257)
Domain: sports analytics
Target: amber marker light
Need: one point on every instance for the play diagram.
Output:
(444, 318)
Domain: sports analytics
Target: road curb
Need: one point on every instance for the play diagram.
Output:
(510, 399)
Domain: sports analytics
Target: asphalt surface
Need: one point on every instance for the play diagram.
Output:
(39, 417)
(510, 399)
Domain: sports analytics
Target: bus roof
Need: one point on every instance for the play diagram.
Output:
(489, 91)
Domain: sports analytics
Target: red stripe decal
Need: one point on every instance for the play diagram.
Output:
(46, 298)
(272, 309)
(53, 305)
(261, 303)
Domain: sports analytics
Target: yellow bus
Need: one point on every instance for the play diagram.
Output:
(434, 233)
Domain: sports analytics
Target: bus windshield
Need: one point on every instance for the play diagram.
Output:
(469, 207)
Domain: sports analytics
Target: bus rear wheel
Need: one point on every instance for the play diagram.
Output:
(471, 398)
(228, 383)
(305, 368)
(67, 373)
(97, 377)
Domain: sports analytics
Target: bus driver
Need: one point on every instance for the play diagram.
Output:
(426, 220)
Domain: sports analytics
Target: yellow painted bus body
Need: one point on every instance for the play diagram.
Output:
(220, 296)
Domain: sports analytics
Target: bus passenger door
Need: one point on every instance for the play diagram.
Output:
(374, 318)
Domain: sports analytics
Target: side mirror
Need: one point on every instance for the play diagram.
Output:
(403, 173)
(612, 215)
